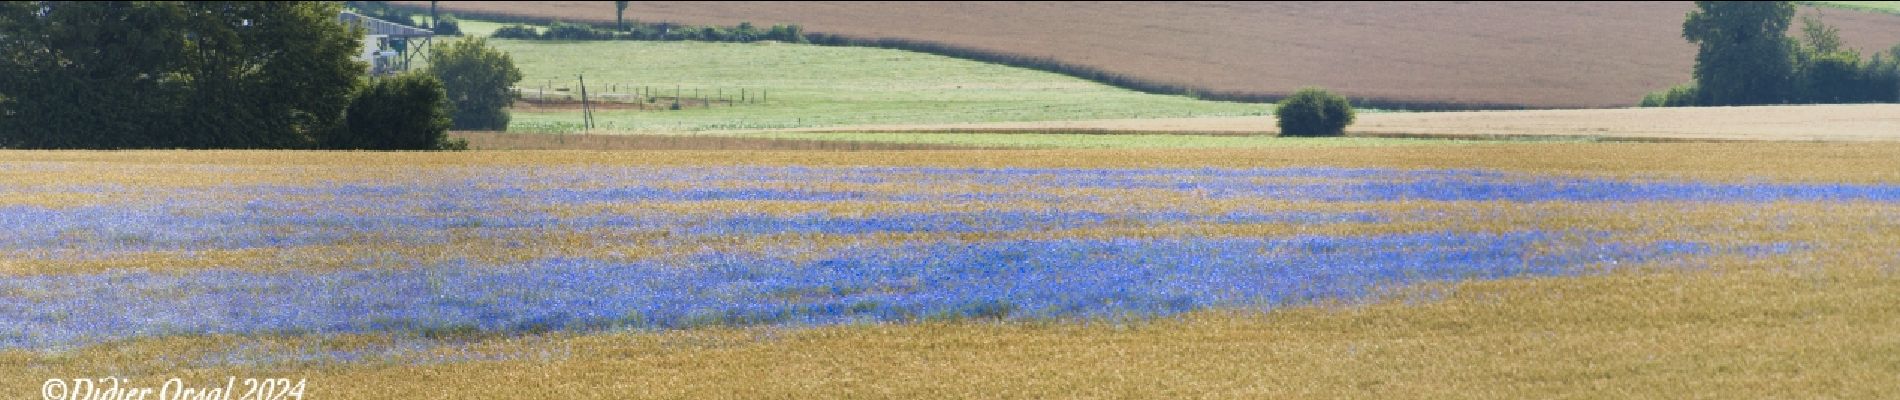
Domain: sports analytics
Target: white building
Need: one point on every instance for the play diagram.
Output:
(388, 47)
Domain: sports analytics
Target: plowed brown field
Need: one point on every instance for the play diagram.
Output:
(1539, 54)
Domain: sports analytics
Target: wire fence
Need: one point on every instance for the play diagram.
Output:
(617, 95)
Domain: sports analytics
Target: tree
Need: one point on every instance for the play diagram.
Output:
(173, 74)
(477, 79)
(403, 112)
(81, 75)
(1831, 78)
(1885, 76)
(1820, 37)
(1744, 51)
(1313, 112)
(292, 73)
(620, 10)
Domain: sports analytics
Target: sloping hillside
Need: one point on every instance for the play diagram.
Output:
(1543, 54)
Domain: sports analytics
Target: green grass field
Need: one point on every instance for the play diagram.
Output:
(1892, 7)
(479, 27)
(813, 86)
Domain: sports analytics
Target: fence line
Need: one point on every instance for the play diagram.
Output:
(686, 97)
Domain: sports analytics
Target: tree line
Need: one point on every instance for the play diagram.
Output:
(1745, 57)
(200, 75)
(745, 32)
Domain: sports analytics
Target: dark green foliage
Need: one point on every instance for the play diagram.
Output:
(1746, 58)
(1679, 96)
(1819, 37)
(476, 78)
(1744, 51)
(403, 112)
(1830, 78)
(744, 33)
(1825, 72)
(786, 33)
(516, 32)
(1313, 112)
(1820, 67)
(567, 31)
(173, 74)
(1883, 76)
(448, 25)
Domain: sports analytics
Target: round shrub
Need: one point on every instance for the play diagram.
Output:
(403, 112)
(1313, 112)
(477, 78)
(448, 26)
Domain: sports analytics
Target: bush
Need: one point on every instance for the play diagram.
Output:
(1314, 112)
(1683, 95)
(786, 33)
(403, 112)
(1883, 76)
(1830, 78)
(516, 32)
(567, 31)
(448, 26)
(745, 32)
(477, 78)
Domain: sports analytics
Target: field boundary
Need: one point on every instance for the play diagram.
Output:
(490, 140)
(1360, 134)
(1860, 123)
(1560, 138)
(1850, 6)
(1044, 64)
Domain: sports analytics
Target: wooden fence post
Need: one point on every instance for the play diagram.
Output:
(587, 110)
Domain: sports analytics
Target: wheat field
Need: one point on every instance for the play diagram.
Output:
(1514, 270)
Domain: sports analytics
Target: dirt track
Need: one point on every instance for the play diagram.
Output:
(1544, 54)
(1871, 122)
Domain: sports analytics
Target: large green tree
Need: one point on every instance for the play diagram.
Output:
(477, 78)
(82, 75)
(1744, 51)
(217, 74)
